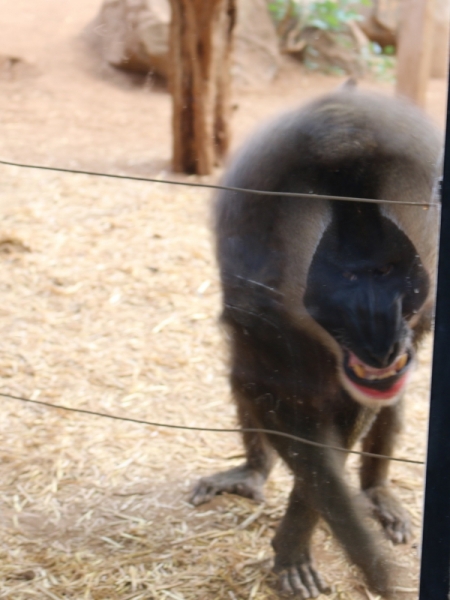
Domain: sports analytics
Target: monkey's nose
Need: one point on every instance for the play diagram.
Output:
(383, 357)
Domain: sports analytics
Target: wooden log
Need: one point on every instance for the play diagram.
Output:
(414, 49)
(200, 46)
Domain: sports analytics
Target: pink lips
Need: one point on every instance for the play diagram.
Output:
(386, 394)
(362, 371)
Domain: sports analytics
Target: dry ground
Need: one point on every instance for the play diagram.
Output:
(110, 302)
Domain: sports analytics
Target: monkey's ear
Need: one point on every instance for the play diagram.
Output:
(349, 84)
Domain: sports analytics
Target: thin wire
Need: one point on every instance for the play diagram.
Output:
(232, 189)
(213, 429)
(218, 187)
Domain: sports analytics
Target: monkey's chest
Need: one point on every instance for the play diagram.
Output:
(361, 425)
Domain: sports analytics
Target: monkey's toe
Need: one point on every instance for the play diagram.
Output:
(303, 581)
(394, 519)
(241, 480)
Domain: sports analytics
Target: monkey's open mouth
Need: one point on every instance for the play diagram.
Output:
(379, 384)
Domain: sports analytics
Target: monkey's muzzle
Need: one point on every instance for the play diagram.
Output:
(377, 384)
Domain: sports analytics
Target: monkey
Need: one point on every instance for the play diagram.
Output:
(325, 302)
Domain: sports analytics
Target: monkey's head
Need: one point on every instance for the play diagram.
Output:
(366, 286)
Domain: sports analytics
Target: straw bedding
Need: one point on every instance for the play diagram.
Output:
(110, 302)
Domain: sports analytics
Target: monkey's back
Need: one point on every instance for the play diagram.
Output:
(347, 128)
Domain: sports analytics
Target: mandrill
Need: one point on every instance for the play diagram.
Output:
(326, 301)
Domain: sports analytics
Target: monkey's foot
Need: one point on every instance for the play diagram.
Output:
(241, 480)
(394, 519)
(302, 580)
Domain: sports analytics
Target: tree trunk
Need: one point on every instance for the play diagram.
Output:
(414, 50)
(200, 46)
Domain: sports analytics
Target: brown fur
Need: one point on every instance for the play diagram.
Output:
(284, 364)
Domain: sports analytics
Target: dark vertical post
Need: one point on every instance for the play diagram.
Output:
(435, 567)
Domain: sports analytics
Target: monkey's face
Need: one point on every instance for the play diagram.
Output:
(365, 284)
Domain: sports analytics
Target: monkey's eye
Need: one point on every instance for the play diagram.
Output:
(384, 270)
(350, 276)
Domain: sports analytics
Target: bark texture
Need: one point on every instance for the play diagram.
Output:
(200, 48)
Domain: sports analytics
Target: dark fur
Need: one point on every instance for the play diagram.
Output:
(285, 354)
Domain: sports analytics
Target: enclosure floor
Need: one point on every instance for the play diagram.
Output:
(110, 302)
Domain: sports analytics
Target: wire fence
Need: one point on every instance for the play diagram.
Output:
(232, 189)
(290, 436)
(211, 186)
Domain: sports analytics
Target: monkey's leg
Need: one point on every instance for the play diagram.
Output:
(320, 489)
(246, 480)
(374, 473)
(297, 572)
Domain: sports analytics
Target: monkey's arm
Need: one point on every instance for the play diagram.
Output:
(374, 475)
(320, 490)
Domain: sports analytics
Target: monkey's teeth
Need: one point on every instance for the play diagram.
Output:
(401, 362)
(360, 371)
(371, 375)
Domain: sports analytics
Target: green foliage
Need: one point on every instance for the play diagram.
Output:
(328, 15)
(381, 61)
(331, 16)
(280, 8)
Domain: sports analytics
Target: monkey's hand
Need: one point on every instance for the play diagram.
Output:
(301, 580)
(394, 519)
(242, 480)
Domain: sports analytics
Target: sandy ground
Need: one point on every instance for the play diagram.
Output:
(110, 302)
